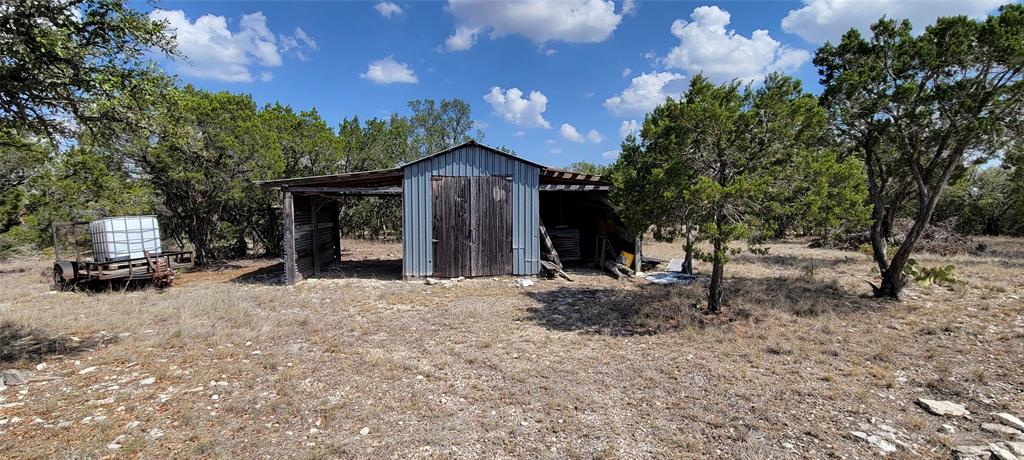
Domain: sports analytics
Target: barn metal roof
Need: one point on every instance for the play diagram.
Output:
(389, 181)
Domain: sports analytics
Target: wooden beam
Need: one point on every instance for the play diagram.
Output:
(290, 268)
(574, 188)
(346, 190)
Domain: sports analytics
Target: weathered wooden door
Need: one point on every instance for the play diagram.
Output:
(491, 219)
(452, 230)
(472, 226)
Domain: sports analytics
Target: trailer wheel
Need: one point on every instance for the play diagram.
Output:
(60, 282)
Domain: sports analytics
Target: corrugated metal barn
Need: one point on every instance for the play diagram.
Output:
(471, 210)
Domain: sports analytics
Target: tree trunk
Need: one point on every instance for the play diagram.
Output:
(688, 250)
(715, 293)
(887, 222)
(893, 278)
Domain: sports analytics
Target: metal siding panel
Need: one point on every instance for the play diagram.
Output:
(534, 193)
(423, 232)
(517, 231)
(470, 161)
(517, 217)
(426, 225)
(406, 223)
(516, 236)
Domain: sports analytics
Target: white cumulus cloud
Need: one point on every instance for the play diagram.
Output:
(594, 136)
(388, 9)
(645, 92)
(388, 70)
(818, 21)
(705, 45)
(626, 72)
(628, 7)
(569, 132)
(541, 21)
(628, 127)
(610, 155)
(212, 51)
(517, 110)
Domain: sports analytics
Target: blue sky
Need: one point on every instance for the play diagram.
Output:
(556, 81)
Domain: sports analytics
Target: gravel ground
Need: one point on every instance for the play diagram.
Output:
(230, 363)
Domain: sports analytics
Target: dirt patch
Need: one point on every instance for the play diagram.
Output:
(349, 366)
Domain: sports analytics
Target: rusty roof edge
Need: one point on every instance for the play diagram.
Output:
(274, 183)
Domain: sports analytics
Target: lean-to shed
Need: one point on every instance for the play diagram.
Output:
(471, 210)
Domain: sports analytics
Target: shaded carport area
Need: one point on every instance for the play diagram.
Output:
(310, 208)
(579, 219)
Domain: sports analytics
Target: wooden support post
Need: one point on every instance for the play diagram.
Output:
(336, 233)
(314, 209)
(290, 268)
(638, 246)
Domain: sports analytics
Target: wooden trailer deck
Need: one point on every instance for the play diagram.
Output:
(136, 269)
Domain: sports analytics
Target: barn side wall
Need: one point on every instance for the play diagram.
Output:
(417, 206)
(315, 224)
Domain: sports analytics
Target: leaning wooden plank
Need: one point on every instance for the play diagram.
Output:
(548, 246)
(553, 269)
(613, 268)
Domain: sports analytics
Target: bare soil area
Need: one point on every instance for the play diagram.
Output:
(231, 363)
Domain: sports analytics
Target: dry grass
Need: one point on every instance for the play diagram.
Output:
(595, 368)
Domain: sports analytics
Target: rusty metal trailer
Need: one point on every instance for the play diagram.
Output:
(75, 265)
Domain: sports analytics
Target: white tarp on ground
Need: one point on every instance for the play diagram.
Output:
(674, 278)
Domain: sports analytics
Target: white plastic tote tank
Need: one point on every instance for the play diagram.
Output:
(121, 238)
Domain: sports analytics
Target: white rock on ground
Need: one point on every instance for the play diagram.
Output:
(365, 431)
(1000, 429)
(12, 377)
(116, 443)
(1016, 447)
(943, 407)
(87, 370)
(147, 381)
(1010, 420)
(1000, 452)
(885, 446)
(972, 452)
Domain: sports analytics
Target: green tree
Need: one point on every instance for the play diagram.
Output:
(916, 109)
(205, 153)
(439, 126)
(76, 64)
(308, 146)
(822, 194)
(710, 163)
(1014, 163)
(981, 201)
(586, 167)
(377, 144)
(20, 161)
(80, 184)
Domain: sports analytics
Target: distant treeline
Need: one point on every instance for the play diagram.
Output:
(196, 166)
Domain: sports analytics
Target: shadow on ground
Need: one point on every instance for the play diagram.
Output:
(799, 262)
(21, 343)
(652, 309)
(377, 269)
